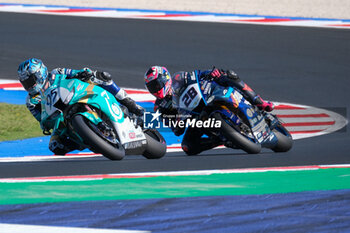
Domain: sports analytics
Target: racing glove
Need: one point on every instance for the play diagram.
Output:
(216, 73)
(85, 75)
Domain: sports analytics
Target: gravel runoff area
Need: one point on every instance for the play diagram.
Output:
(339, 9)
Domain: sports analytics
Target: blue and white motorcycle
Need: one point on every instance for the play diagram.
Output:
(242, 125)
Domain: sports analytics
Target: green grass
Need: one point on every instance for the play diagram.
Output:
(16, 122)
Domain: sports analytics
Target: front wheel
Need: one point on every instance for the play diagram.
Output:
(156, 145)
(232, 135)
(285, 140)
(94, 141)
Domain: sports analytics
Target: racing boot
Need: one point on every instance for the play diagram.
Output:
(248, 92)
(56, 146)
(203, 145)
(62, 146)
(193, 143)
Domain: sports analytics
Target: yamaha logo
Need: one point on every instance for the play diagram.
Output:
(249, 113)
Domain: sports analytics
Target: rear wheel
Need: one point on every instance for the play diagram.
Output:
(156, 145)
(95, 142)
(232, 135)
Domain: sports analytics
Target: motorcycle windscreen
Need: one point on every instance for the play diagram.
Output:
(185, 96)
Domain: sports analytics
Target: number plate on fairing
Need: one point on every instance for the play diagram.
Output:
(191, 97)
(258, 125)
(260, 130)
(49, 100)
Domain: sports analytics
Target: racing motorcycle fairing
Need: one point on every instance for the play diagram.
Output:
(238, 110)
(60, 95)
(226, 100)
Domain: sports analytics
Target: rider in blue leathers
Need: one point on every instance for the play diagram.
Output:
(193, 142)
(32, 73)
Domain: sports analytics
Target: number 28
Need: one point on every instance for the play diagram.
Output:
(189, 96)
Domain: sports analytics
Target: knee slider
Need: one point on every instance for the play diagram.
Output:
(189, 150)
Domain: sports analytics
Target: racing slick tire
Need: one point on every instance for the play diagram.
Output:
(96, 143)
(237, 138)
(285, 140)
(156, 145)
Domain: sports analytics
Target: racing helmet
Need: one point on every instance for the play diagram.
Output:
(158, 81)
(32, 73)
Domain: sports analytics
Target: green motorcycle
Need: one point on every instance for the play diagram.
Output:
(91, 117)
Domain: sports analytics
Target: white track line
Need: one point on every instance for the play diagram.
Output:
(173, 15)
(19, 228)
(170, 173)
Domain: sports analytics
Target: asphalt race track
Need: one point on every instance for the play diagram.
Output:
(289, 64)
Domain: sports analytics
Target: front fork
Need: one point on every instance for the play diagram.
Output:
(275, 123)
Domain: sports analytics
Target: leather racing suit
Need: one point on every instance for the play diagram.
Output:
(193, 143)
(61, 146)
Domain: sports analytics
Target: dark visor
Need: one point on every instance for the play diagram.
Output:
(29, 82)
(157, 84)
